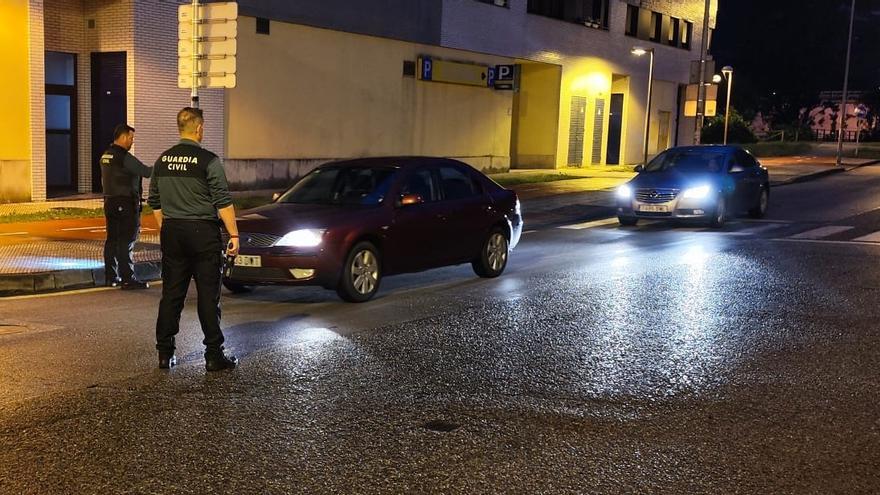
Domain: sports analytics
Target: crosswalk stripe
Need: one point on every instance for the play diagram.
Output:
(872, 237)
(757, 229)
(822, 232)
(594, 223)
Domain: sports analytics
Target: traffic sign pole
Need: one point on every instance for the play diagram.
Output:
(194, 95)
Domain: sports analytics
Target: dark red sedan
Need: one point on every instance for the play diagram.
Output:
(349, 223)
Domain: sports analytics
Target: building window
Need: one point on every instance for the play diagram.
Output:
(592, 13)
(656, 26)
(499, 3)
(686, 32)
(632, 20)
(262, 25)
(674, 26)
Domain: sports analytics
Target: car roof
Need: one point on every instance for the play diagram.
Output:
(726, 148)
(390, 161)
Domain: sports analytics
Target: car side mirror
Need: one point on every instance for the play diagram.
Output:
(639, 169)
(411, 199)
(735, 169)
(275, 196)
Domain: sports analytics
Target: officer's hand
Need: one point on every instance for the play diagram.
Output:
(232, 247)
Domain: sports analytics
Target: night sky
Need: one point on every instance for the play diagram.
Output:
(795, 48)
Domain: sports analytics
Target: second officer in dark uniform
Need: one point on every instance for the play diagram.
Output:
(188, 192)
(121, 175)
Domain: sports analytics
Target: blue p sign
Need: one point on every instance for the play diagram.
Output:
(427, 69)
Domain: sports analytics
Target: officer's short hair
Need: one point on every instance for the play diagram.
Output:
(121, 130)
(189, 119)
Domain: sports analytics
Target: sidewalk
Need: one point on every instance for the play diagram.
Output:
(59, 255)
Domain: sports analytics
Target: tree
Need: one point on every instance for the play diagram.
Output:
(738, 130)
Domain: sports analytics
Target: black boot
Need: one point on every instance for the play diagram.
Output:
(220, 362)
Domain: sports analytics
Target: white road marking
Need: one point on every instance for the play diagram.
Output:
(757, 229)
(71, 229)
(822, 232)
(530, 232)
(13, 233)
(73, 292)
(872, 237)
(589, 225)
(823, 241)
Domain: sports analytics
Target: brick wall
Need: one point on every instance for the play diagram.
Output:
(67, 29)
(157, 98)
(38, 102)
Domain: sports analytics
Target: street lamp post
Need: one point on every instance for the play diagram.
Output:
(728, 73)
(638, 51)
(842, 119)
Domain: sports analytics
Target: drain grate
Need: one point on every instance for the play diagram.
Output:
(441, 426)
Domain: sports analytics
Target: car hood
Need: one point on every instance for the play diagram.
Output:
(673, 180)
(281, 218)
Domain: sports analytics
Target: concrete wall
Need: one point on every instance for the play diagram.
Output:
(306, 95)
(408, 20)
(590, 57)
(15, 143)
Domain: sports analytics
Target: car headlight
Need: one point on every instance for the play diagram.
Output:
(302, 238)
(624, 192)
(697, 192)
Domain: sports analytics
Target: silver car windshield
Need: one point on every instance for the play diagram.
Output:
(688, 161)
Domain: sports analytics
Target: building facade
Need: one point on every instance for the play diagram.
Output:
(338, 79)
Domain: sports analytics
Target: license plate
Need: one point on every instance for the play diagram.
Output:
(654, 208)
(249, 261)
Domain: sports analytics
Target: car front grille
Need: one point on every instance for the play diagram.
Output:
(254, 240)
(656, 195)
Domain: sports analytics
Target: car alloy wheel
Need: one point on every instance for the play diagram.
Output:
(496, 251)
(365, 272)
(361, 274)
(760, 209)
(720, 213)
(493, 256)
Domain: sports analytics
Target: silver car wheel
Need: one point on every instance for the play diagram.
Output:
(496, 251)
(364, 272)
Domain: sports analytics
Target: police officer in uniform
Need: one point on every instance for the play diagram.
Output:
(121, 175)
(188, 191)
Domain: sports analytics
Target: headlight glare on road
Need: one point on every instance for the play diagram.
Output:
(697, 192)
(302, 238)
(624, 192)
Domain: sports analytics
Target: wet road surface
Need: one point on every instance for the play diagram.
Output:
(654, 359)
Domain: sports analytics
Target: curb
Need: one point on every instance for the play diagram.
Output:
(62, 280)
(821, 173)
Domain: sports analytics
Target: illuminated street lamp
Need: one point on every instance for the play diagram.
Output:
(639, 51)
(728, 74)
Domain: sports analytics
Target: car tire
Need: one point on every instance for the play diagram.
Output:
(628, 221)
(237, 288)
(760, 209)
(361, 274)
(719, 216)
(493, 256)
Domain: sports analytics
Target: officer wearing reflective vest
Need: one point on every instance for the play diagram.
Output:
(188, 192)
(121, 175)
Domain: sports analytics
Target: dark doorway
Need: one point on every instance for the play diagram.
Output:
(108, 105)
(61, 110)
(615, 126)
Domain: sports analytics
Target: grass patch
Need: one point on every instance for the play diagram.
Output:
(531, 178)
(53, 214)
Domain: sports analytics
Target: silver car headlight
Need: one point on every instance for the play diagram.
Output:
(697, 192)
(302, 238)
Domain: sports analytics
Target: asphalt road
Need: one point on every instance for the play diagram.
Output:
(654, 359)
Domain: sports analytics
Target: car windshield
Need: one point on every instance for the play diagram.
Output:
(688, 161)
(341, 185)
